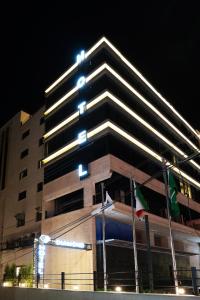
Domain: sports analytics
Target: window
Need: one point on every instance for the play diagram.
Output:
(23, 174)
(39, 186)
(3, 156)
(20, 218)
(41, 120)
(38, 214)
(179, 245)
(39, 164)
(157, 240)
(22, 195)
(139, 237)
(24, 153)
(69, 202)
(185, 189)
(40, 141)
(25, 134)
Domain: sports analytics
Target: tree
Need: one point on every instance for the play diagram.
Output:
(26, 275)
(10, 274)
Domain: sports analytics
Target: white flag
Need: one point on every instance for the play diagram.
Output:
(108, 204)
(108, 199)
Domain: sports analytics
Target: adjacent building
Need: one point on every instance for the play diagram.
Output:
(21, 187)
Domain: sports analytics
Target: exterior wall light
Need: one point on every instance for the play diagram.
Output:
(118, 289)
(181, 291)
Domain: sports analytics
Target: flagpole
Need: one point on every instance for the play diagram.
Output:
(134, 239)
(170, 228)
(103, 239)
(149, 255)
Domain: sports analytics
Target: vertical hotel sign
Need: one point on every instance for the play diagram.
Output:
(82, 136)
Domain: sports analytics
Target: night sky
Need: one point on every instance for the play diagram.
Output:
(161, 38)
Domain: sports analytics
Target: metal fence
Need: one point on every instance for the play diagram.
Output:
(188, 279)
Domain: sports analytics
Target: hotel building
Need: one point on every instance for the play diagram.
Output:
(104, 122)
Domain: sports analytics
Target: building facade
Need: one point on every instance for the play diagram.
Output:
(21, 175)
(105, 123)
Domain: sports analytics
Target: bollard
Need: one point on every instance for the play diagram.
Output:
(62, 280)
(95, 280)
(37, 279)
(194, 280)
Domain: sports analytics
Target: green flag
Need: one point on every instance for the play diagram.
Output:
(173, 204)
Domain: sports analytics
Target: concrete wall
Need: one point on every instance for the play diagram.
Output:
(71, 261)
(29, 183)
(42, 294)
(100, 169)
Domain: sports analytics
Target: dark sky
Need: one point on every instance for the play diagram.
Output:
(39, 42)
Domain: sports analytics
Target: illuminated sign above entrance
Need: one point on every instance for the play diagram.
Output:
(46, 240)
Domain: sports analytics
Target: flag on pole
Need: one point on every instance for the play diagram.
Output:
(173, 204)
(108, 199)
(141, 203)
(108, 203)
(108, 206)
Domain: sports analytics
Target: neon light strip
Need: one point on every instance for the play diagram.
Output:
(126, 84)
(111, 97)
(123, 58)
(73, 67)
(61, 100)
(59, 126)
(128, 137)
(61, 151)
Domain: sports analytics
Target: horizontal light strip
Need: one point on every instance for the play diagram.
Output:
(98, 129)
(134, 141)
(61, 151)
(128, 137)
(110, 96)
(62, 124)
(73, 67)
(123, 58)
(61, 100)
